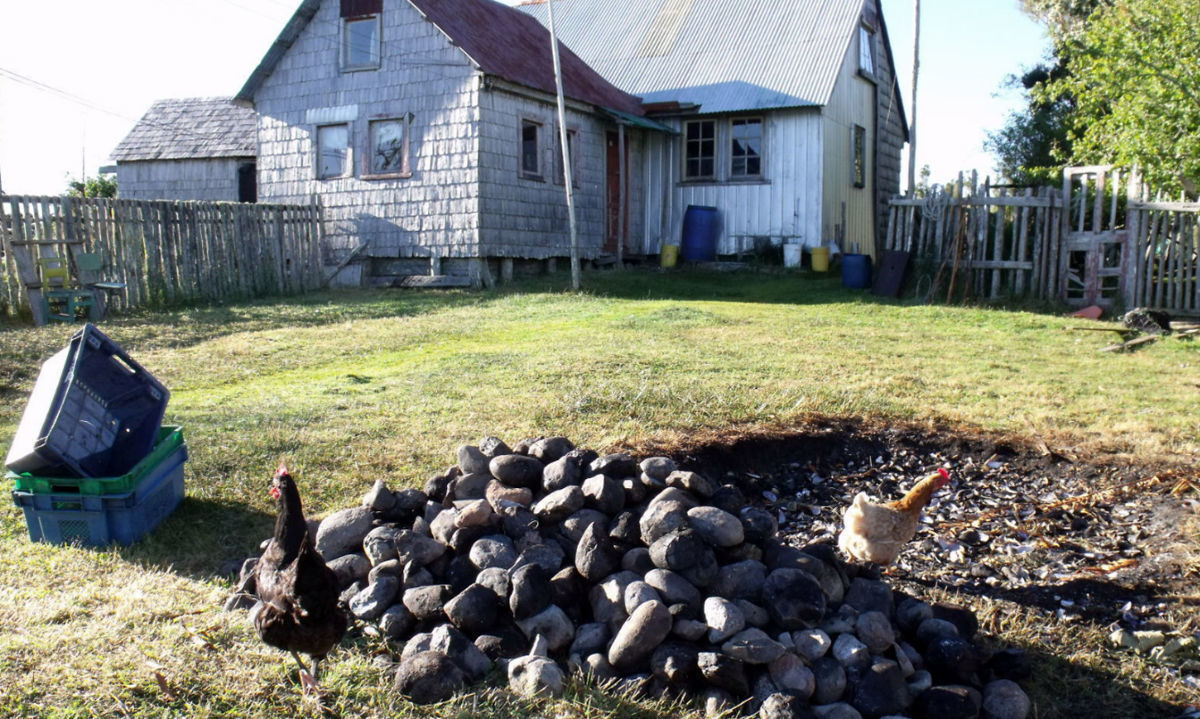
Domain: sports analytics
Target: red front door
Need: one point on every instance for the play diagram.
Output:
(613, 209)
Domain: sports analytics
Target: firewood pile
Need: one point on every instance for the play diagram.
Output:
(545, 560)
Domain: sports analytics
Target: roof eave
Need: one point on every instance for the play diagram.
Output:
(287, 37)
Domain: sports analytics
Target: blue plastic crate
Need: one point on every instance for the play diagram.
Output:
(94, 412)
(106, 519)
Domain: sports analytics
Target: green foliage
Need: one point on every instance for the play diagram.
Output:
(1135, 79)
(98, 186)
(1065, 19)
(1034, 144)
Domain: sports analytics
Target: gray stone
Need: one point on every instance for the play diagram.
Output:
(657, 468)
(790, 674)
(675, 663)
(473, 513)
(717, 527)
(830, 678)
(553, 624)
(559, 504)
(548, 555)
(531, 592)
(723, 672)
(826, 575)
(380, 545)
(443, 526)
(756, 616)
(603, 494)
(693, 482)
(723, 618)
(953, 660)
(869, 595)
(379, 498)
(638, 593)
(624, 529)
(534, 676)
(517, 470)
(1004, 699)
(561, 473)
(497, 580)
(675, 589)
(427, 603)
(875, 630)
(718, 703)
(740, 580)
(661, 519)
(391, 568)
(607, 599)
(758, 524)
(590, 638)
(350, 567)
(492, 447)
(840, 710)
(596, 665)
(692, 630)
(784, 706)
(471, 486)
(494, 550)
(461, 650)
(397, 621)
(617, 464)
(641, 633)
(410, 501)
(637, 560)
(678, 551)
(919, 682)
(933, 629)
(595, 557)
(551, 449)
(414, 575)
(429, 677)
(369, 604)
(752, 646)
(474, 609)
(793, 598)
(848, 650)
(949, 702)
(910, 613)
(575, 525)
(342, 532)
(812, 644)
(471, 460)
(880, 691)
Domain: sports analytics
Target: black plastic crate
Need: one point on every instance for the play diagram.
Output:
(94, 412)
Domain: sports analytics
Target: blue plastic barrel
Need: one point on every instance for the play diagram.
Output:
(856, 271)
(699, 242)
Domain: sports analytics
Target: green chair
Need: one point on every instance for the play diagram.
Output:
(62, 301)
(89, 265)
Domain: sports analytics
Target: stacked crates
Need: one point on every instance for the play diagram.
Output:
(91, 462)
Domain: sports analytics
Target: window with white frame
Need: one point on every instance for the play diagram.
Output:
(361, 34)
(860, 156)
(531, 156)
(333, 151)
(700, 150)
(866, 50)
(388, 151)
(745, 153)
(572, 143)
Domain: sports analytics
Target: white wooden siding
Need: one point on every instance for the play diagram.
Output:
(785, 205)
(211, 180)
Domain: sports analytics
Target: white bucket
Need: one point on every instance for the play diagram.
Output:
(792, 255)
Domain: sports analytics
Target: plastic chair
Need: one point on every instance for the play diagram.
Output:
(89, 265)
(54, 268)
(62, 302)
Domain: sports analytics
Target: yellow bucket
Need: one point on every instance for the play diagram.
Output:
(820, 259)
(670, 255)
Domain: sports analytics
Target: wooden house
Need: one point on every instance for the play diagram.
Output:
(428, 129)
(788, 114)
(190, 149)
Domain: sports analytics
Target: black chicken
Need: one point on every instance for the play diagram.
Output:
(297, 608)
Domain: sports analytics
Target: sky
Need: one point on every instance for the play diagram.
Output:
(75, 75)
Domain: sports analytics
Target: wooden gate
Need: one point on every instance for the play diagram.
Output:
(1096, 247)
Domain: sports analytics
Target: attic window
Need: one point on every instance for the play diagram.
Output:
(360, 34)
(866, 51)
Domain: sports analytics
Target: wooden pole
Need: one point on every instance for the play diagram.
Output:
(562, 136)
(622, 199)
(912, 132)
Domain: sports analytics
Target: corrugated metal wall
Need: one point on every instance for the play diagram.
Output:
(851, 104)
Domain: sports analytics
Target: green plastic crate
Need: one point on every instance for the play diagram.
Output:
(170, 438)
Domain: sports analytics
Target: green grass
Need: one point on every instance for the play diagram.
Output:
(351, 387)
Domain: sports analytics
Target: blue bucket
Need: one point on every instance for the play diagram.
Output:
(856, 271)
(699, 243)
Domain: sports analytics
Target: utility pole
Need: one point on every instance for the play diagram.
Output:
(912, 132)
(566, 152)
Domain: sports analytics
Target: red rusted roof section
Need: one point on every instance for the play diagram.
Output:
(510, 44)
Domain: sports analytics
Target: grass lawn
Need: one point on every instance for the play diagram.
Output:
(351, 387)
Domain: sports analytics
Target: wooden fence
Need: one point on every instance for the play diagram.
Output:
(163, 252)
(1098, 240)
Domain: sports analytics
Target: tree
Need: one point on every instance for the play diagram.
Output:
(1134, 77)
(1035, 144)
(98, 186)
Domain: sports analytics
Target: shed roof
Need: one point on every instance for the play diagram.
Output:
(498, 39)
(723, 55)
(191, 128)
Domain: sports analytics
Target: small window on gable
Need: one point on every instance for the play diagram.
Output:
(700, 150)
(333, 151)
(361, 34)
(388, 150)
(531, 159)
(746, 149)
(572, 143)
(860, 156)
(866, 51)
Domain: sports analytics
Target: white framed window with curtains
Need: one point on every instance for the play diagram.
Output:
(362, 31)
(333, 151)
(387, 153)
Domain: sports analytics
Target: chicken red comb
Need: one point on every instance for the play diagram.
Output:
(941, 470)
(282, 470)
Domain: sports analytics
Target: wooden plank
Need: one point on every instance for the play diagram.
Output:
(998, 244)
(26, 268)
(1021, 243)
(998, 265)
(1165, 206)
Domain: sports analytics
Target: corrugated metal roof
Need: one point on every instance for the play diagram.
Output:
(500, 40)
(724, 55)
(191, 128)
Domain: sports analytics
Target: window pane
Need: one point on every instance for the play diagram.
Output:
(529, 148)
(746, 149)
(387, 146)
(866, 61)
(361, 43)
(860, 156)
(333, 143)
(700, 148)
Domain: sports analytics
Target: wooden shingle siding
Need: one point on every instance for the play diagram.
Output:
(214, 180)
(435, 211)
(889, 138)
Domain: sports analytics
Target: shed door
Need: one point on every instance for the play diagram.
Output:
(613, 202)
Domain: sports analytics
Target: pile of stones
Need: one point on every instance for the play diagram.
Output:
(544, 559)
